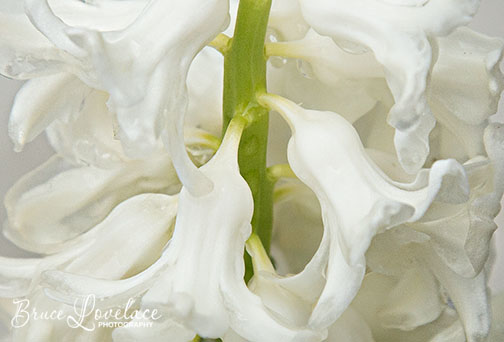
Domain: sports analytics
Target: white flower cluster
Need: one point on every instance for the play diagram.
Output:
(382, 232)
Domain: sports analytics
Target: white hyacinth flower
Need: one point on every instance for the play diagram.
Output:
(174, 209)
(398, 33)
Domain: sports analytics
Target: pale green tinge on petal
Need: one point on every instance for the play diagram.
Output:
(42, 219)
(40, 101)
(372, 202)
(398, 35)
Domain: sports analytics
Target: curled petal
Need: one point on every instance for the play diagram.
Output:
(202, 286)
(40, 101)
(413, 302)
(121, 249)
(398, 35)
(100, 15)
(25, 52)
(35, 224)
(463, 102)
(118, 239)
(329, 62)
(18, 277)
(351, 221)
(87, 136)
(249, 316)
(295, 81)
(471, 96)
(138, 83)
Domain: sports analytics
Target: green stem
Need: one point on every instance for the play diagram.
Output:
(244, 78)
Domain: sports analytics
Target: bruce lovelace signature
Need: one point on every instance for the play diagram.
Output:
(85, 315)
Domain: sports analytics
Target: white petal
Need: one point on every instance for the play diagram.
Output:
(42, 100)
(463, 102)
(286, 20)
(204, 286)
(497, 331)
(350, 327)
(469, 296)
(282, 303)
(329, 62)
(297, 227)
(223, 219)
(204, 86)
(295, 81)
(137, 81)
(88, 136)
(25, 52)
(472, 96)
(42, 219)
(398, 36)
(413, 302)
(120, 249)
(18, 277)
(458, 233)
(100, 15)
(374, 294)
(326, 154)
(250, 318)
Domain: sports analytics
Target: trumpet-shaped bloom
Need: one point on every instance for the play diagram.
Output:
(21, 277)
(398, 33)
(114, 249)
(372, 202)
(147, 93)
(195, 283)
(40, 216)
(463, 102)
(451, 242)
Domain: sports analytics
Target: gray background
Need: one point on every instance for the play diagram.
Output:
(489, 20)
